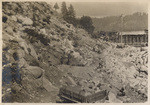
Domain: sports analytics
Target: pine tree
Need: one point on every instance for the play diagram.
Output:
(56, 6)
(68, 14)
(71, 16)
(64, 10)
(71, 11)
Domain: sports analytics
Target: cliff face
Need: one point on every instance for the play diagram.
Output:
(42, 52)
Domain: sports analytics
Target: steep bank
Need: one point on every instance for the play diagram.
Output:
(42, 52)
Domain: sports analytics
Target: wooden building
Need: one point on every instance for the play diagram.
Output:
(135, 38)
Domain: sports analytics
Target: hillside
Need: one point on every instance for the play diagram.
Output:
(135, 22)
(42, 52)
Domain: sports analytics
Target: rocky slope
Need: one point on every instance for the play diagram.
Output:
(42, 52)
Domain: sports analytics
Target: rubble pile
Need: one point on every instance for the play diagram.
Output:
(35, 40)
(128, 66)
(42, 52)
(123, 72)
(32, 47)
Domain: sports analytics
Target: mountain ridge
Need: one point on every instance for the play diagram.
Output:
(134, 22)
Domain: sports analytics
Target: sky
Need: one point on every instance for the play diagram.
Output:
(102, 9)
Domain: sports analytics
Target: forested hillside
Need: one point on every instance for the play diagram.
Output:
(135, 22)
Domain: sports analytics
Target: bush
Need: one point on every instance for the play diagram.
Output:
(4, 19)
(87, 24)
(36, 36)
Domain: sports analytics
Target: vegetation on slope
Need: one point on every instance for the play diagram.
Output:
(134, 22)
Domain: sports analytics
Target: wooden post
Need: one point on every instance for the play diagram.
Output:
(129, 39)
(121, 28)
(132, 39)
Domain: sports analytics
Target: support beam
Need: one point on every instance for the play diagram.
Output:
(132, 40)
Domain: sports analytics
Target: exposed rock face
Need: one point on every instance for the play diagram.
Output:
(41, 52)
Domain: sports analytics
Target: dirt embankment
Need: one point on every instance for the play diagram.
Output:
(41, 52)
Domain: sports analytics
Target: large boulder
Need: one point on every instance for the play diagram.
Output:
(31, 85)
(35, 71)
(14, 18)
(28, 48)
(144, 69)
(112, 98)
(43, 31)
(70, 81)
(48, 85)
(24, 20)
(22, 63)
(32, 51)
(9, 30)
(53, 74)
(21, 53)
(24, 45)
(7, 37)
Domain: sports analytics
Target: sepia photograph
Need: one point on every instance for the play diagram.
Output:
(74, 52)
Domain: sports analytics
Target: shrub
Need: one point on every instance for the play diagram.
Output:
(36, 36)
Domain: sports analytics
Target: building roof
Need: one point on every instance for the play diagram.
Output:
(132, 33)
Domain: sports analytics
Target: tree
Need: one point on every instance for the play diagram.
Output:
(68, 14)
(64, 10)
(71, 12)
(71, 16)
(56, 6)
(87, 24)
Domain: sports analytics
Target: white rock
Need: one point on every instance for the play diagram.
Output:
(144, 68)
(24, 46)
(9, 30)
(113, 99)
(35, 71)
(14, 18)
(7, 37)
(69, 80)
(24, 20)
(27, 21)
(43, 31)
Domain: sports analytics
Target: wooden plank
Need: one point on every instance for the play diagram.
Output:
(70, 99)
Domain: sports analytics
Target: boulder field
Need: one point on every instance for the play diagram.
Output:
(42, 52)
